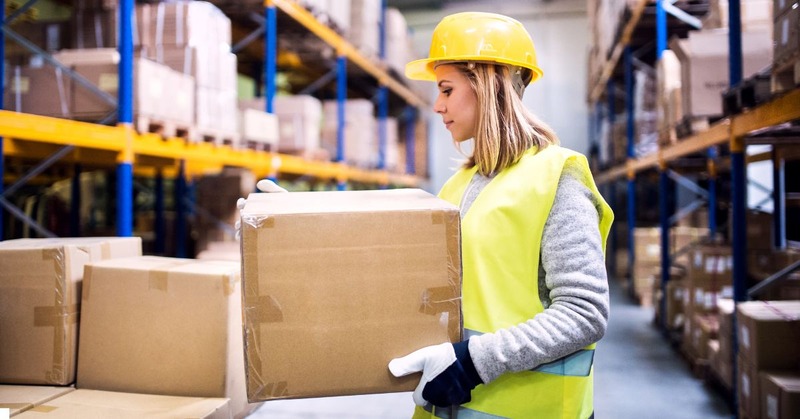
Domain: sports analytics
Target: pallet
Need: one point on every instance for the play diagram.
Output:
(748, 94)
(216, 137)
(163, 127)
(786, 76)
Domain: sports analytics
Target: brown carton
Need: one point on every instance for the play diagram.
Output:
(769, 333)
(106, 404)
(339, 283)
(161, 325)
(748, 387)
(43, 90)
(780, 395)
(40, 292)
(21, 398)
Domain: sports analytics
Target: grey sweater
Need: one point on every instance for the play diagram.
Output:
(573, 286)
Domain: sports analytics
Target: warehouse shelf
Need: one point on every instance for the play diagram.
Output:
(36, 137)
(344, 48)
(785, 108)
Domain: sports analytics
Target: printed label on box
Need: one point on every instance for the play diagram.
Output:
(745, 385)
(21, 85)
(109, 82)
(772, 406)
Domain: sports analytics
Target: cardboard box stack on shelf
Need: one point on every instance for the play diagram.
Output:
(768, 366)
(399, 50)
(703, 58)
(350, 295)
(606, 18)
(720, 350)
(364, 34)
(299, 122)
(194, 37)
(647, 257)
(360, 131)
(258, 129)
(786, 55)
(763, 260)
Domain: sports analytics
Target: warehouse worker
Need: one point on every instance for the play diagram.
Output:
(534, 227)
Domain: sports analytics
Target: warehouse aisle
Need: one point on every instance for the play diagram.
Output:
(637, 376)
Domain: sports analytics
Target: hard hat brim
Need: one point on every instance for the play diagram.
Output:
(423, 69)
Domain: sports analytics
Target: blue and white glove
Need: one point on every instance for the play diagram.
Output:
(263, 185)
(448, 373)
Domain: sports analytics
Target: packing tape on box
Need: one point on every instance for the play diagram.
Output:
(58, 373)
(159, 276)
(14, 406)
(105, 250)
(53, 316)
(782, 314)
(229, 283)
(258, 221)
(445, 302)
(43, 408)
(273, 390)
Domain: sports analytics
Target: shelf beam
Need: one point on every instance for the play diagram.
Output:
(780, 110)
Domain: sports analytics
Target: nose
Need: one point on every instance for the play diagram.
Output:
(439, 106)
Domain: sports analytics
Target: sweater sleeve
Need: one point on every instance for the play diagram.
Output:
(576, 278)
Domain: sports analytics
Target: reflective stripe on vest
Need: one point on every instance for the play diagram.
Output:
(576, 364)
(461, 413)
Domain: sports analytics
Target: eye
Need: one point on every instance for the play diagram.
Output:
(447, 91)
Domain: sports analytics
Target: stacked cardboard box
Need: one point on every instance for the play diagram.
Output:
(769, 339)
(360, 131)
(704, 62)
(40, 294)
(107, 404)
(365, 17)
(786, 64)
(258, 129)
(21, 398)
(399, 50)
(721, 360)
(184, 313)
(299, 122)
(668, 87)
(194, 37)
(780, 395)
(376, 264)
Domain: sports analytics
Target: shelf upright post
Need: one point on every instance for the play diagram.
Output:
(180, 211)
(2, 77)
(411, 122)
(712, 191)
(341, 102)
(383, 92)
(738, 184)
(160, 225)
(75, 203)
(125, 119)
(270, 53)
(778, 198)
(629, 154)
(663, 184)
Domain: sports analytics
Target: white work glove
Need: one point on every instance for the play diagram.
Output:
(263, 185)
(430, 360)
(448, 374)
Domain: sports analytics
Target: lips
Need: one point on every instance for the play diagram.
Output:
(447, 124)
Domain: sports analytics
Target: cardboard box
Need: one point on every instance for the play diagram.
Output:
(704, 329)
(704, 66)
(748, 387)
(40, 294)
(259, 128)
(339, 283)
(786, 34)
(769, 333)
(21, 398)
(105, 404)
(43, 90)
(780, 395)
(166, 326)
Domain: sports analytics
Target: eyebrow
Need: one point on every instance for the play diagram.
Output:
(443, 81)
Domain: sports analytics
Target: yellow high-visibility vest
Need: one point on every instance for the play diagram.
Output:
(501, 241)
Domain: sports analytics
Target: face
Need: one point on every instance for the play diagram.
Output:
(456, 102)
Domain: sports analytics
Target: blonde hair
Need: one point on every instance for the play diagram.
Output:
(505, 127)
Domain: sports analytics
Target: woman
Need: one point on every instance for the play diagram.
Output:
(534, 226)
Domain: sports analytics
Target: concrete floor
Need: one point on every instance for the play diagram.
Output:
(637, 375)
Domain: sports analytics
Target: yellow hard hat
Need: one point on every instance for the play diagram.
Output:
(476, 36)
